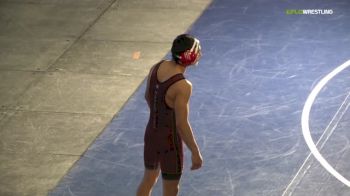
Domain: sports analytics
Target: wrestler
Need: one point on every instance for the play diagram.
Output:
(167, 95)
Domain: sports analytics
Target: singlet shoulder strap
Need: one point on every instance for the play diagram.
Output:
(154, 71)
(166, 84)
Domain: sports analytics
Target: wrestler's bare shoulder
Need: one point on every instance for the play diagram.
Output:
(183, 86)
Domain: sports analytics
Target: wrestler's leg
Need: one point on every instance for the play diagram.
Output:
(170, 187)
(149, 179)
(171, 164)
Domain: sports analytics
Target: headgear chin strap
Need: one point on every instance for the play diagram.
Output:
(190, 56)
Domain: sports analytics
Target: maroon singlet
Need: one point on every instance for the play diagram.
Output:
(163, 144)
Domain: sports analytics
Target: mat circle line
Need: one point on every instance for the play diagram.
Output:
(306, 128)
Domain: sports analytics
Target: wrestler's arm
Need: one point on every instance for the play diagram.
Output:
(181, 108)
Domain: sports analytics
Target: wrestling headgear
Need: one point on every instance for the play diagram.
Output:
(185, 50)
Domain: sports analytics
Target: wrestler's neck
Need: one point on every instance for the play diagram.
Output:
(179, 67)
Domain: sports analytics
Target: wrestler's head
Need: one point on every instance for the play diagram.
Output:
(186, 50)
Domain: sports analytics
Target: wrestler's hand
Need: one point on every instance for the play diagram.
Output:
(197, 160)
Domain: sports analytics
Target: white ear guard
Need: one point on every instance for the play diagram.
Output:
(196, 46)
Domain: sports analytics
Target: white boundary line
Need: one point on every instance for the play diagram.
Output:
(305, 123)
(321, 142)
